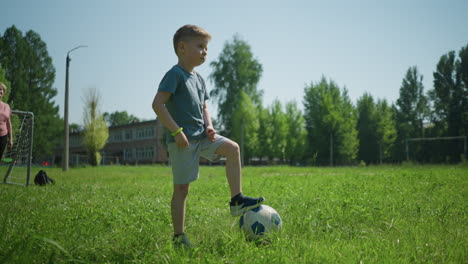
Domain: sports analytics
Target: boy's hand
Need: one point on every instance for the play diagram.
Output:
(181, 140)
(210, 132)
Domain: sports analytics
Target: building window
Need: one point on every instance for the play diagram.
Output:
(129, 154)
(75, 141)
(140, 133)
(129, 134)
(139, 153)
(144, 153)
(149, 152)
(147, 132)
(117, 137)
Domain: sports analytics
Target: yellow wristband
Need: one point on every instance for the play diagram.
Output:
(175, 133)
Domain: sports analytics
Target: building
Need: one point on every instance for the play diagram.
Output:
(134, 143)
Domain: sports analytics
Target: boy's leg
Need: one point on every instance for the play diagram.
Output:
(178, 207)
(239, 203)
(231, 151)
(184, 170)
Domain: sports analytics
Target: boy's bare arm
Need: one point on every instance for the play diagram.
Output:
(161, 111)
(210, 131)
(166, 119)
(207, 116)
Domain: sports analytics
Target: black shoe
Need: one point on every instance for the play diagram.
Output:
(247, 203)
(181, 241)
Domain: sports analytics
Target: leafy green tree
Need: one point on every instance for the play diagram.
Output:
(412, 109)
(235, 71)
(347, 140)
(450, 93)
(462, 72)
(75, 128)
(296, 138)
(385, 129)
(118, 118)
(265, 133)
(279, 123)
(331, 123)
(450, 100)
(376, 129)
(13, 57)
(7, 83)
(29, 69)
(245, 126)
(96, 131)
(442, 93)
(366, 126)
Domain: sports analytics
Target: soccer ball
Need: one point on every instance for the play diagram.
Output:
(258, 222)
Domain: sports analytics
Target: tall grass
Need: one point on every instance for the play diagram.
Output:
(407, 214)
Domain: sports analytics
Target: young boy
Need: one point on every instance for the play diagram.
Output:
(181, 108)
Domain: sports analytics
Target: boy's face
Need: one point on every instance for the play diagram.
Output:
(194, 51)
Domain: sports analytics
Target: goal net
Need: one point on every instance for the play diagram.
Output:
(15, 165)
(436, 149)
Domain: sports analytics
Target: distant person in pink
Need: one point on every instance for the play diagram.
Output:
(6, 135)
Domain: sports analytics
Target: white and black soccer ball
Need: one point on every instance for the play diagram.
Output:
(260, 221)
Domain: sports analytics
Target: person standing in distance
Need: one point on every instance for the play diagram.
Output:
(6, 133)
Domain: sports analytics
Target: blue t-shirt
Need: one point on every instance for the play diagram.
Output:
(186, 102)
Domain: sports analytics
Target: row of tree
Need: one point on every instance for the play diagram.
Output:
(26, 67)
(27, 70)
(262, 132)
(332, 130)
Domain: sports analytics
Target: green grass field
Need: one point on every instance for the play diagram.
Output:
(388, 214)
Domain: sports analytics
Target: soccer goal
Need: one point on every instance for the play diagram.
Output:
(457, 138)
(15, 166)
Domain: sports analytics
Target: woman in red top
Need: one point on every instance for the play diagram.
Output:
(6, 135)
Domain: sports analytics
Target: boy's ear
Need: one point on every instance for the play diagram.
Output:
(181, 46)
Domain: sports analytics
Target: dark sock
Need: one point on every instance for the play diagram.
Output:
(238, 198)
(178, 235)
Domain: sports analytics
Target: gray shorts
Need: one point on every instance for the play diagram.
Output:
(185, 162)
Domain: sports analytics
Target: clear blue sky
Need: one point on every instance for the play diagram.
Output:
(366, 45)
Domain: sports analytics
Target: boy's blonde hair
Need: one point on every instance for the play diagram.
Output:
(189, 31)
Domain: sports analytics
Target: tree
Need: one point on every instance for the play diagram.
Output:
(7, 83)
(266, 130)
(412, 110)
(331, 123)
(279, 123)
(119, 118)
(29, 69)
(95, 128)
(296, 138)
(385, 129)
(450, 99)
(13, 56)
(234, 72)
(376, 129)
(462, 72)
(367, 126)
(75, 128)
(450, 93)
(245, 126)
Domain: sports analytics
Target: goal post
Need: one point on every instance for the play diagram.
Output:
(435, 139)
(15, 165)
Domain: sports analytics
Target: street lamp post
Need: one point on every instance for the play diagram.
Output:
(66, 145)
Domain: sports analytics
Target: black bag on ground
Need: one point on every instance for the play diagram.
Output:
(42, 178)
